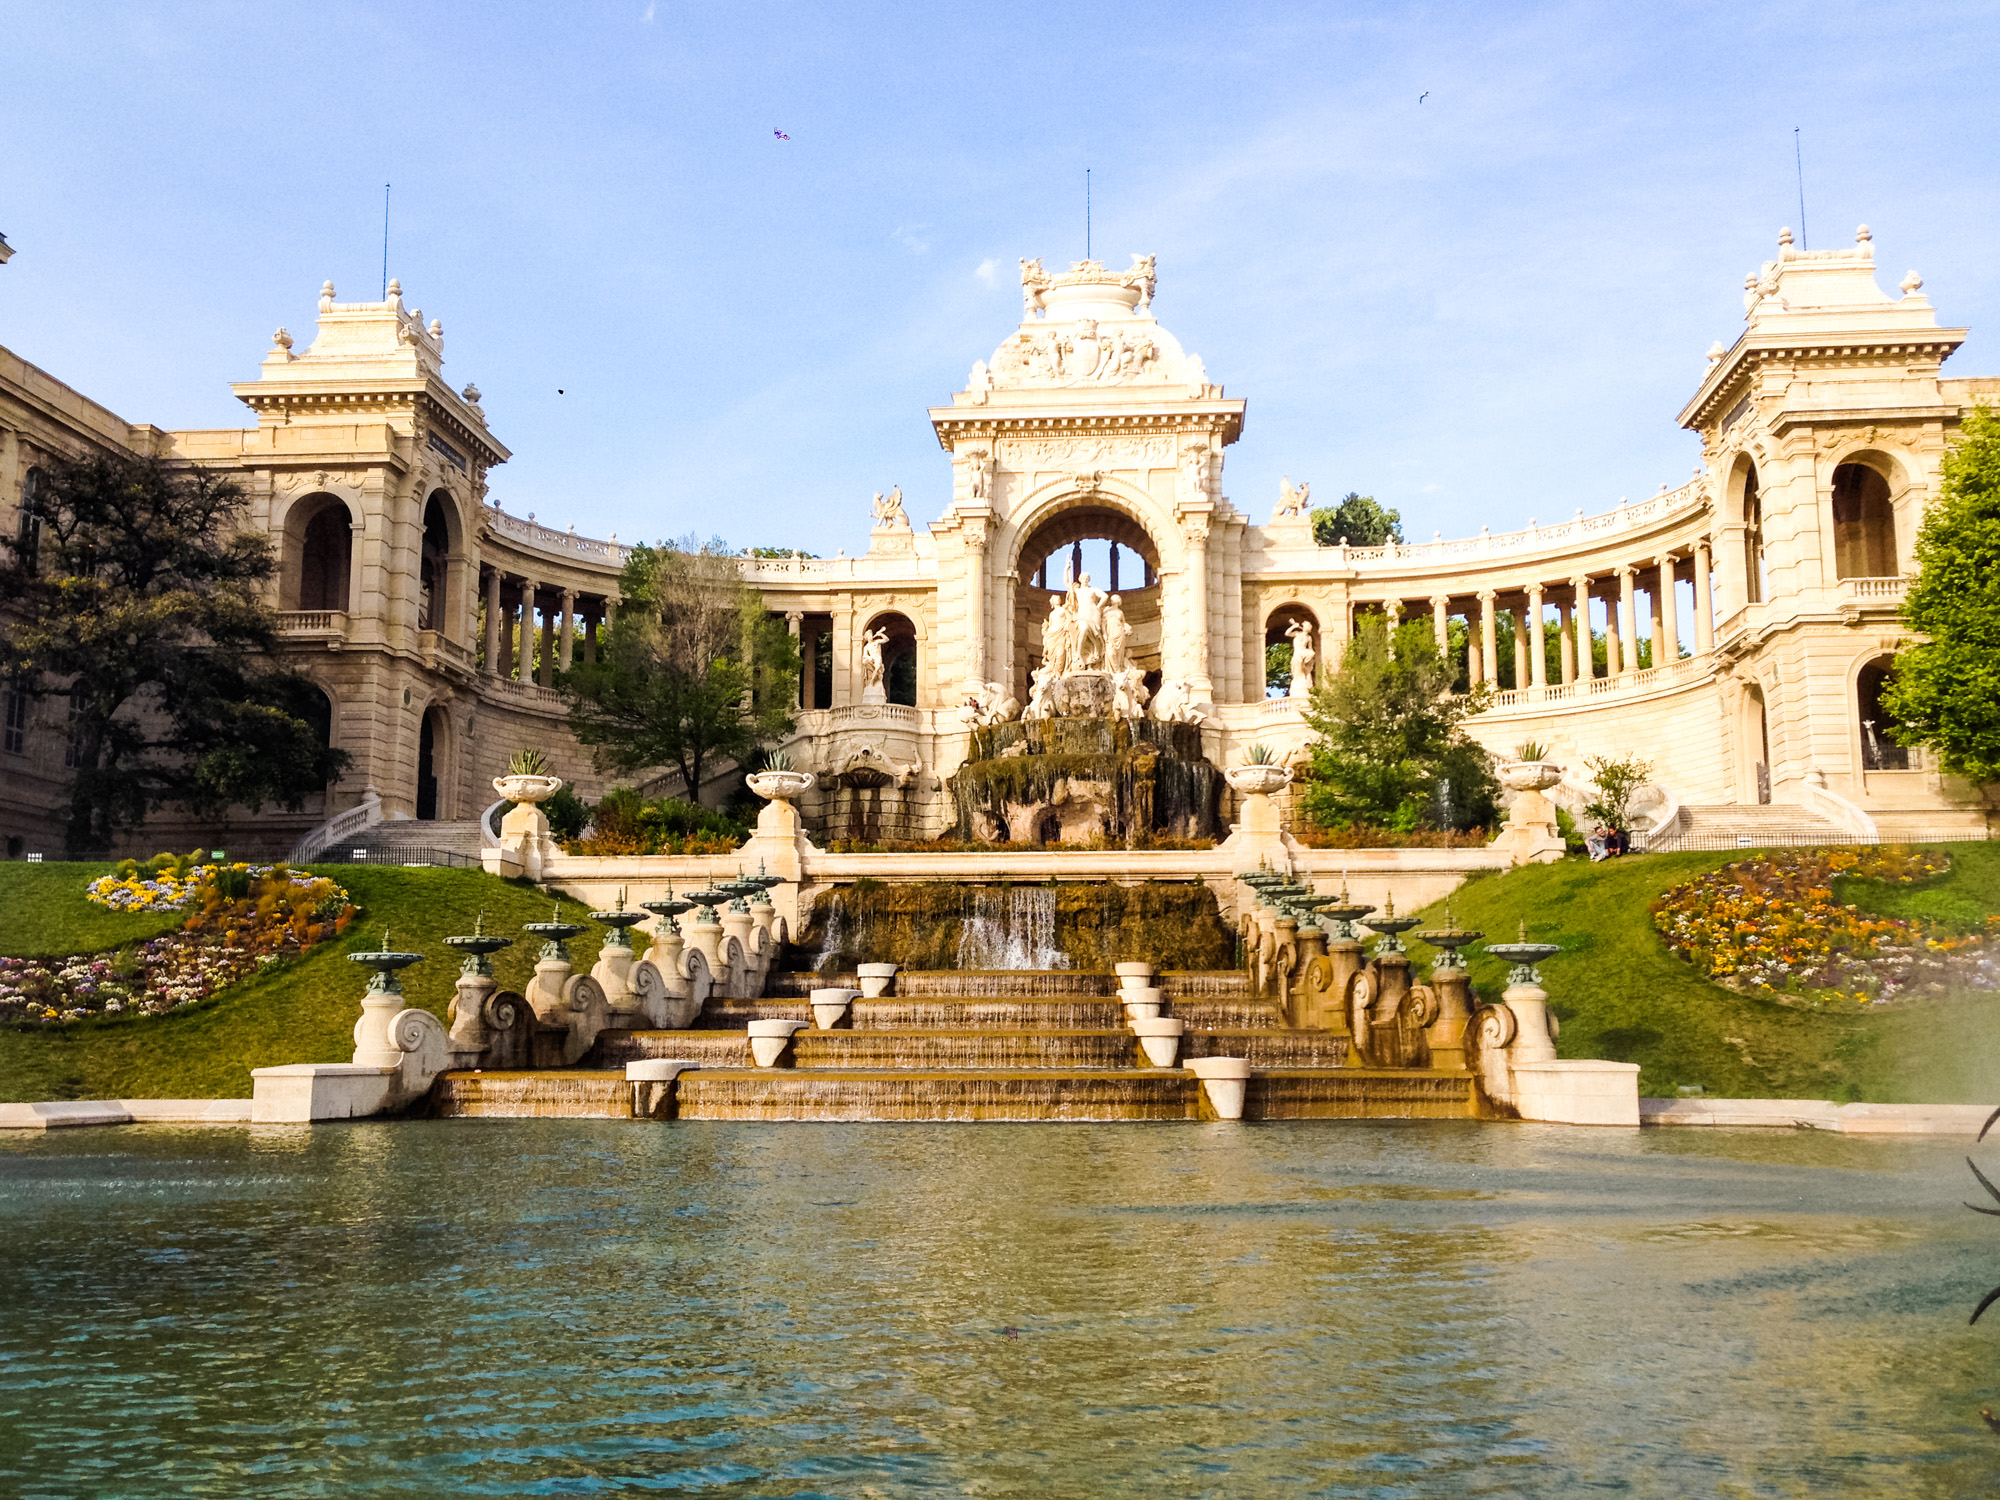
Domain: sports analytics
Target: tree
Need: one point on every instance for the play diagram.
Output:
(1360, 520)
(1391, 747)
(693, 671)
(1616, 782)
(137, 604)
(1945, 690)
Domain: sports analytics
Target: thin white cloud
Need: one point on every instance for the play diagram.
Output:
(910, 237)
(651, 7)
(988, 271)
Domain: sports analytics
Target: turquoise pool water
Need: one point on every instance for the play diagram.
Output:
(555, 1307)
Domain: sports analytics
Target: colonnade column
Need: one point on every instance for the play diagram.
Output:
(1489, 642)
(1441, 622)
(1194, 529)
(1565, 644)
(493, 623)
(975, 601)
(548, 672)
(1704, 603)
(1586, 665)
(794, 619)
(1538, 670)
(525, 667)
(1621, 652)
(568, 628)
(1668, 612)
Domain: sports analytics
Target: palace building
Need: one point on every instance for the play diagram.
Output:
(1734, 630)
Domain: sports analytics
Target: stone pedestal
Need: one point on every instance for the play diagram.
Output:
(1532, 1042)
(469, 1033)
(1530, 835)
(1446, 1034)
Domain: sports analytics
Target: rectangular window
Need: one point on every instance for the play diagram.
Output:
(14, 739)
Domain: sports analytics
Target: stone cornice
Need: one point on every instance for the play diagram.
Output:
(957, 424)
(1732, 374)
(429, 397)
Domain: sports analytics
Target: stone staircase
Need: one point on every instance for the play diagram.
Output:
(1746, 826)
(1027, 1045)
(409, 840)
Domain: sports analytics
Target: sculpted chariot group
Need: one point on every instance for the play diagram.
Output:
(1086, 671)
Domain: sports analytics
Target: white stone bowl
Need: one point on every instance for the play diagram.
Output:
(875, 979)
(527, 788)
(780, 784)
(1250, 781)
(1224, 1080)
(769, 1039)
(1128, 972)
(657, 1069)
(1160, 1037)
(829, 1006)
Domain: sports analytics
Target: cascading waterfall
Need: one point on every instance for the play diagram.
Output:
(828, 957)
(1014, 930)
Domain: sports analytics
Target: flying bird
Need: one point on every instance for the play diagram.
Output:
(779, 134)
(1423, 96)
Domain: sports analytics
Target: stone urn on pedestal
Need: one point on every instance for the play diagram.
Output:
(779, 838)
(1530, 835)
(525, 843)
(1257, 836)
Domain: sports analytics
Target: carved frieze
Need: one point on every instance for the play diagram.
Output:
(1086, 449)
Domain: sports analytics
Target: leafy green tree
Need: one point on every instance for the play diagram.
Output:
(136, 605)
(1360, 520)
(692, 672)
(1278, 665)
(1616, 782)
(1945, 691)
(1390, 746)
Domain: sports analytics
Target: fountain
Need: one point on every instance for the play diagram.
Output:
(472, 1012)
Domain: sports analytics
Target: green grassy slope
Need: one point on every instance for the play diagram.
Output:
(43, 913)
(302, 1011)
(1619, 994)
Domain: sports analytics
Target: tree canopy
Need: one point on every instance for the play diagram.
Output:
(137, 604)
(692, 672)
(1390, 748)
(1945, 691)
(1360, 520)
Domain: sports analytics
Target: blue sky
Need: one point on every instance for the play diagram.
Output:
(1480, 308)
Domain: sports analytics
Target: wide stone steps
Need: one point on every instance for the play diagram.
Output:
(934, 1049)
(999, 1012)
(1720, 826)
(858, 1094)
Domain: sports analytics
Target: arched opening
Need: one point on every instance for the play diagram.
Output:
(1082, 538)
(319, 536)
(1753, 539)
(1864, 524)
(1878, 751)
(899, 657)
(1758, 729)
(1289, 631)
(316, 709)
(430, 762)
(432, 567)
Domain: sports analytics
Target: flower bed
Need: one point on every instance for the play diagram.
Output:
(1770, 925)
(244, 918)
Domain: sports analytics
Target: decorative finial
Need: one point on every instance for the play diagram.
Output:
(1389, 908)
(325, 296)
(1521, 931)
(1862, 236)
(1785, 238)
(479, 923)
(396, 286)
(1716, 351)
(471, 393)
(1912, 284)
(385, 940)
(281, 339)
(437, 329)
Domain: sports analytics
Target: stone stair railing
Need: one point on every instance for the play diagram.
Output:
(340, 826)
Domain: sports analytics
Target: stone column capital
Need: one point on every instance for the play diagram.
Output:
(1626, 573)
(1534, 593)
(1487, 596)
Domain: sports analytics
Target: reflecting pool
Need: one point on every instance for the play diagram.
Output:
(554, 1307)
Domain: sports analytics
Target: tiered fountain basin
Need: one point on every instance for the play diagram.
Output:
(953, 1045)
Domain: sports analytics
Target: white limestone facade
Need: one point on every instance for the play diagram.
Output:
(1748, 611)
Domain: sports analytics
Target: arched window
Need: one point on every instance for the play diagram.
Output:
(1878, 751)
(1864, 524)
(899, 658)
(432, 604)
(1753, 540)
(321, 539)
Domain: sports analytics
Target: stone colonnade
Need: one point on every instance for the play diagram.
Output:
(514, 605)
(1528, 604)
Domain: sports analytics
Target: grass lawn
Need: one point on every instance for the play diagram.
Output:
(43, 913)
(300, 1011)
(1619, 994)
